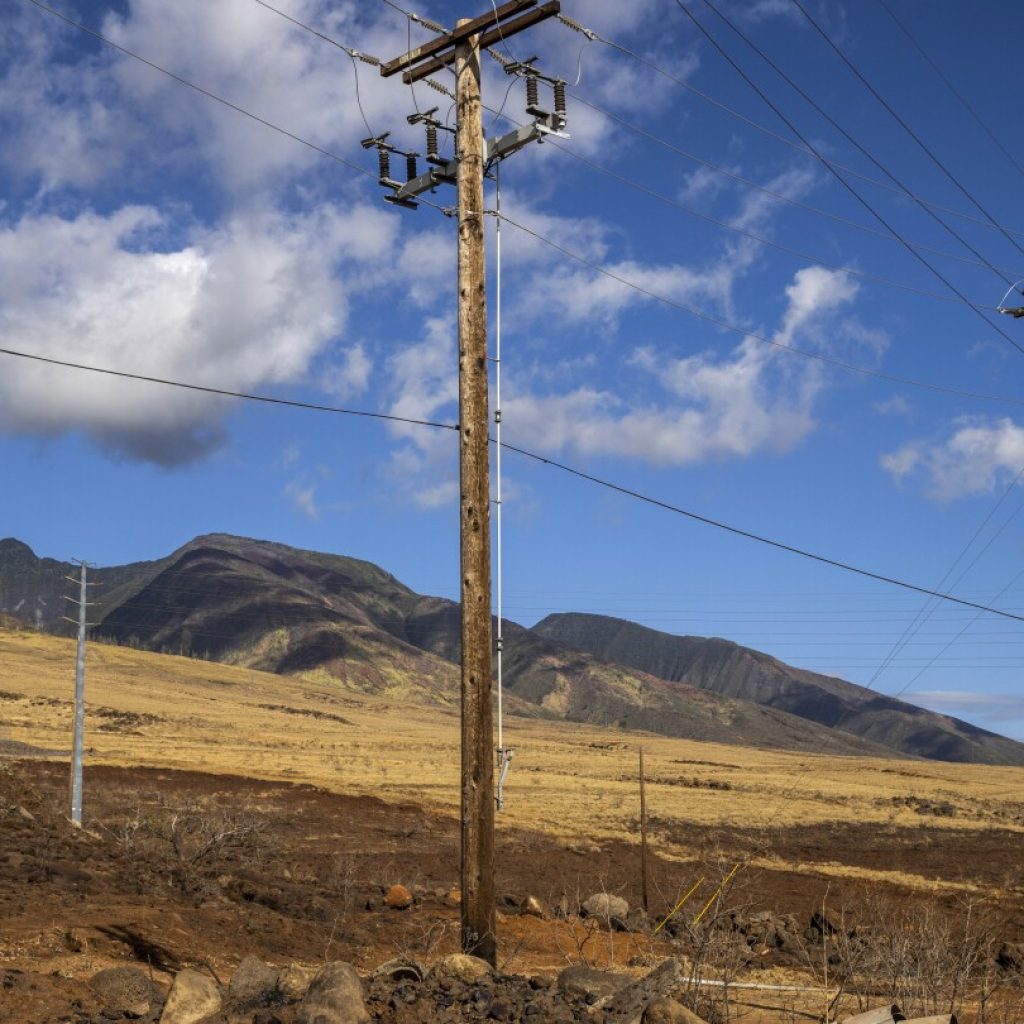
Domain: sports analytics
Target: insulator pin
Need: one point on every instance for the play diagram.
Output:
(384, 165)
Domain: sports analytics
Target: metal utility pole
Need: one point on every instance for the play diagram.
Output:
(462, 47)
(78, 731)
(643, 833)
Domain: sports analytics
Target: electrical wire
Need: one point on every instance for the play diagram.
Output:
(575, 472)
(949, 85)
(199, 89)
(226, 393)
(775, 194)
(763, 239)
(842, 131)
(220, 99)
(928, 608)
(796, 131)
(905, 126)
(737, 329)
(778, 136)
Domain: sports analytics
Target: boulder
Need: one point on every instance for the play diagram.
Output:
(467, 969)
(127, 990)
(335, 996)
(591, 984)
(192, 998)
(398, 898)
(668, 1011)
(608, 909)
(253, 984)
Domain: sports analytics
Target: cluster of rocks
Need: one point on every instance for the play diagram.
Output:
(457, 989)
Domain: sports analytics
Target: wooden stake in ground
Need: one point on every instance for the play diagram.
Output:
(477, 802)
(643, 833)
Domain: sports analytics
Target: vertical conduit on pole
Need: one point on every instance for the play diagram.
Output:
(505, 754)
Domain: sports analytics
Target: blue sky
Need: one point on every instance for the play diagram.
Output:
(144, 227)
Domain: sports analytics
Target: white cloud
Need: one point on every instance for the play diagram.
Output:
(349, 376)
(303, 497)
(896, 405)
(751, 400)
(977, 457)
(243, 305)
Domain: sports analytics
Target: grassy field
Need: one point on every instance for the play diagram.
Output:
(566, 780)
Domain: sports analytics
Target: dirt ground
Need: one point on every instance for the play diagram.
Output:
(179, 869)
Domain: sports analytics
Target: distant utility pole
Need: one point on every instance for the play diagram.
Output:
(462, 47)
(643, 834)
(78, 732)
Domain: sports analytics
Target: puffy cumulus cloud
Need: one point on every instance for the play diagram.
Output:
(243, 305)
(977, 457)
(76, 112)
(753, 399)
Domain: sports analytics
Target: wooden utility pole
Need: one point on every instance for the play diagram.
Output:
(478, 904)
(462, 47)
(643, 833)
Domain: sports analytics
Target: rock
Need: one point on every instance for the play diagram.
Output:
(591, 984)
(24, 814)
(465, 968)
(253, 983)
(192, 998)
(668, 1011)
(126, 990)
(629, 1002)
(398, 898)
(610, 910)
(532, 907)
(335, 996)
(293, 982)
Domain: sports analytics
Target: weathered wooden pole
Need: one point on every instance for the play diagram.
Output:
(477, 801)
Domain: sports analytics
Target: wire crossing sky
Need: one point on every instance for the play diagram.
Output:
(702, 301)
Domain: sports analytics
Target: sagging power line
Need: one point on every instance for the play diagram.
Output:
(607, 484)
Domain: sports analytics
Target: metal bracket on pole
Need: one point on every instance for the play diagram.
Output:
(495, 149)
(505, 755)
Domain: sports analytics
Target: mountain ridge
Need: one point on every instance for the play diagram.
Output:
(283, 609)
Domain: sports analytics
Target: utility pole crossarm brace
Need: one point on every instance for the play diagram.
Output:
(422, 62)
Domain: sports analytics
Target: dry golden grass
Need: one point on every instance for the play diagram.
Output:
(568, 780)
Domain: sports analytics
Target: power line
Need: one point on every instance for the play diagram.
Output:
(202, 91)
(749, 535)
(905, 126)
(762, 239)
(796, 131)
(224, 392)
(775, 194)
(572, 471)
(949, 85)
(806, 151)
(737, 329)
